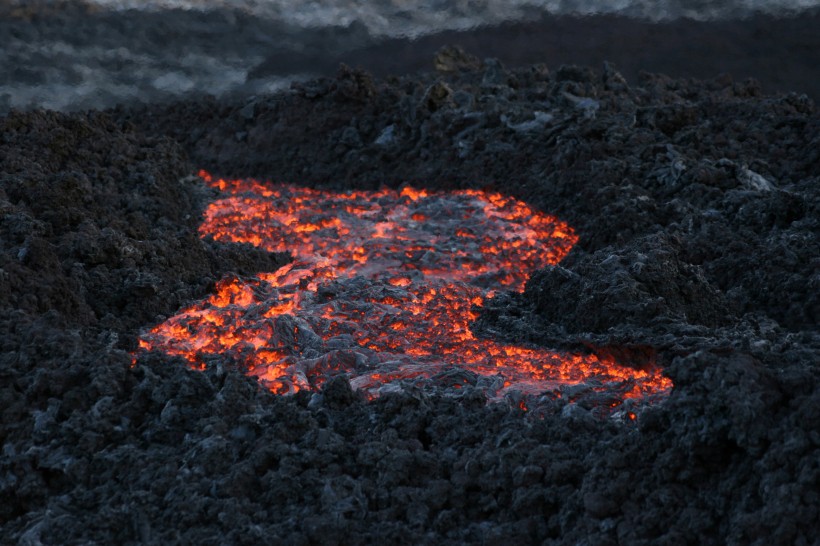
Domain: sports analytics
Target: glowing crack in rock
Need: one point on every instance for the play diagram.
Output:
(383, 287)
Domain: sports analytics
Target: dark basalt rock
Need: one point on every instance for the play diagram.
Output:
(645, 282)
(99, 223)
(696, 203)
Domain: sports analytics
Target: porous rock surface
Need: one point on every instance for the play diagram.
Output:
(696, 204)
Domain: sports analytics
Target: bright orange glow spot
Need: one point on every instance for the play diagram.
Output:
(383, 287)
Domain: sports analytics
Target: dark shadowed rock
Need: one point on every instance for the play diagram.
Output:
(644, 283)
(455, 59)
(338, 394)
(696, 207)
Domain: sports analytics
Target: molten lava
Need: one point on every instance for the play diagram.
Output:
(384, 287)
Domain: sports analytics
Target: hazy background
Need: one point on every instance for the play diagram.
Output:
(95, 54)
(415, 17)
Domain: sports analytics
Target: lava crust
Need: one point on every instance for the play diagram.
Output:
(384, 289)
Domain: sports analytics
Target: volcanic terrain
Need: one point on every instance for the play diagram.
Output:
(663, 228)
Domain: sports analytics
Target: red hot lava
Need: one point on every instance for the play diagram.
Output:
(384, 287)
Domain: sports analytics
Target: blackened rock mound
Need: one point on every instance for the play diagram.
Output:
(734, 425)
(99, 223)
(643, 283)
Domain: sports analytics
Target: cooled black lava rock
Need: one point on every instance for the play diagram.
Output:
(647, 282)
(99, 223)
(696, 207)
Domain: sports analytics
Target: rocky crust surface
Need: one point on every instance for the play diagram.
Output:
(697, 207)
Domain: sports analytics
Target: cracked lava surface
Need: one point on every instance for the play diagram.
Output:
(383, 287)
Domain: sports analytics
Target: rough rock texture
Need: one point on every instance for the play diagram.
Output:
(696, 204)
(714, 165)
(99, 223)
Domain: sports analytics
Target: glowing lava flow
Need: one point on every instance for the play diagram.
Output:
(384, 287)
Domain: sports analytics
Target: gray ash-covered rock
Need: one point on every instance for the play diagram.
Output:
(696, 207)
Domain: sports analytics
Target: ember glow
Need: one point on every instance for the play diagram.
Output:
(383, 287)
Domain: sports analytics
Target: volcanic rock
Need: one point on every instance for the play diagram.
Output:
(696, 206)
(455, 59)
(629, 288)
(83, 241)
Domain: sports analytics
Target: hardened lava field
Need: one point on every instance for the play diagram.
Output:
(383, 287)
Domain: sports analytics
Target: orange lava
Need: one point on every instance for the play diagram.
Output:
(384, 287)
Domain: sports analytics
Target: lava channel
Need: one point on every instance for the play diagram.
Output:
(383, 287)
